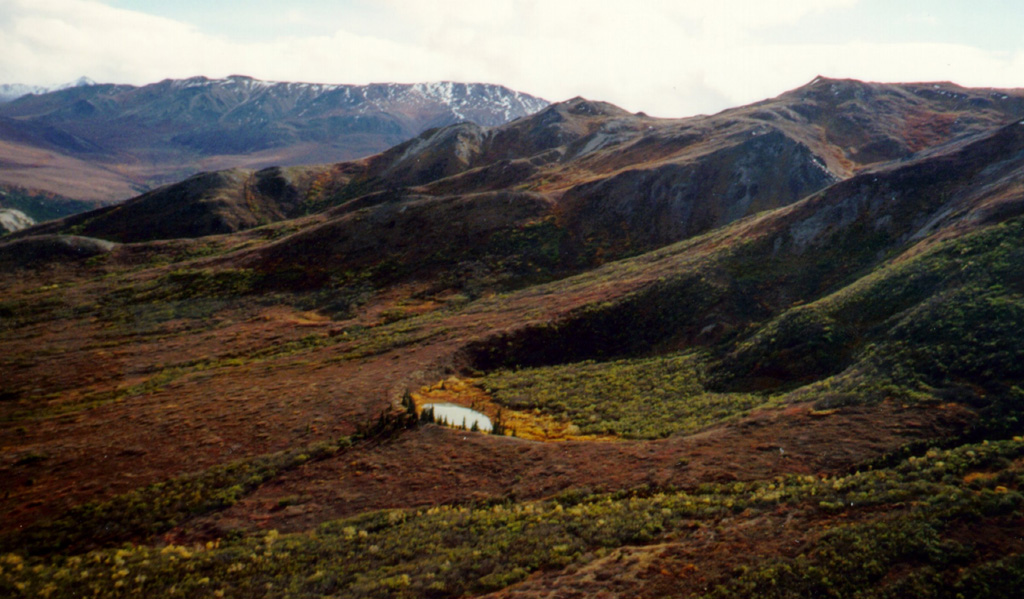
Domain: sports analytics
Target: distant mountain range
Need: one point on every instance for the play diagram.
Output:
(105, 143)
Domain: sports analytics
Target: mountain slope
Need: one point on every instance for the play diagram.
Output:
(205, 204)
(689, 174)
(616, 184)
(745, 273)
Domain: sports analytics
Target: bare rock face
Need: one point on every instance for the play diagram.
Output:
(12, 220)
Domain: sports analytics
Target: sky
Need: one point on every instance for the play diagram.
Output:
(667, 58)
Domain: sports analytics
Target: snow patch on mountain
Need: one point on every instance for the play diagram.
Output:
(484, 104)
(12, 220)
(12, 91)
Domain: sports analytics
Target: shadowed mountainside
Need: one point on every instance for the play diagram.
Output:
(205, 204)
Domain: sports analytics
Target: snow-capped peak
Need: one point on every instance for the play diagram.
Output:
(12, 91)
(82, 81)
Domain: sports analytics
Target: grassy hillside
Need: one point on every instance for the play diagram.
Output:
(886, 532)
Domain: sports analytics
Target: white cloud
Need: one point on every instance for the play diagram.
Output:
(62, 39)
(665, 57)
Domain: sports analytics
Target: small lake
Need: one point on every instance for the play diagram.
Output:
(459, 416)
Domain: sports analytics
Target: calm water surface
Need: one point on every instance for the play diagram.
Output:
(456, 415)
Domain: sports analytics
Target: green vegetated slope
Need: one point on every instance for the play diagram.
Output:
(945, 320)
(944, 324)
(156, 509)
(887, 532)
(642, 398)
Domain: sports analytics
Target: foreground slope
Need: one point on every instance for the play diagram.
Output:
(820, 398)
